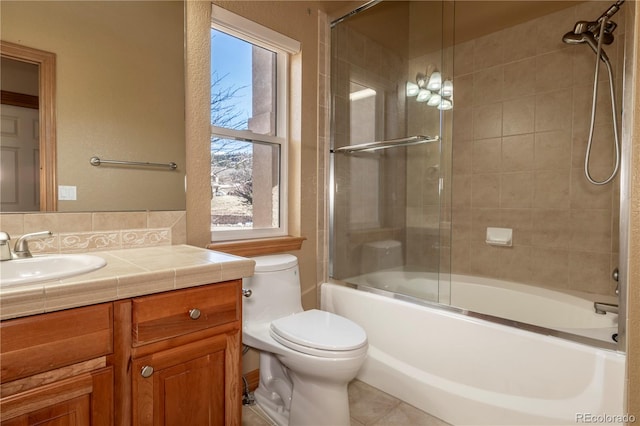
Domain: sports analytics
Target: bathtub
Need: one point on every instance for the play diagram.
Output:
(470, 371)
(525, 304)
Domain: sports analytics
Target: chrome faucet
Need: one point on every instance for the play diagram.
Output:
(21, 249)
(602, 308)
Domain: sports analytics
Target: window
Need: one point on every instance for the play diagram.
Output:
(249, 92)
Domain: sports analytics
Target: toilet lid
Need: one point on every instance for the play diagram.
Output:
(320, 330)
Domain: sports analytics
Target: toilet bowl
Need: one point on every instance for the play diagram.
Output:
(307, 358)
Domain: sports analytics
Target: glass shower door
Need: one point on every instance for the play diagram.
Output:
(387, 151)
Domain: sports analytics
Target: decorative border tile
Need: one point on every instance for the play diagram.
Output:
(82, 232)
(88, 241)
(146, 238)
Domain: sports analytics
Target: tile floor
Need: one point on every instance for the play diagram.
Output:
(369, 406)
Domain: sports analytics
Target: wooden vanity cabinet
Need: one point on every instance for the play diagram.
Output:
(182, 352)
(165, 359)
(57, 368)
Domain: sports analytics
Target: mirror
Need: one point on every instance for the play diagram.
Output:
(117, 93)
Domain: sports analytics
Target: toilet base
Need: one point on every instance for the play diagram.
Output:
(322, 404)
(274, 391)
(304, 398)
(328, 405)
(271, 406)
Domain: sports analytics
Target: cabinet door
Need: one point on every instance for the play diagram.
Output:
(184, 385)
(84, 400)
(74, 412)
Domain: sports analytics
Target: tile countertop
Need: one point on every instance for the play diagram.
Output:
(128, 273)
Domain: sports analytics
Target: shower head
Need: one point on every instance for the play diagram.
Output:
(582, 34)
(590, 31)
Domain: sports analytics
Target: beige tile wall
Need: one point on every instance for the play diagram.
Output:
(82, 232)
(520, 125)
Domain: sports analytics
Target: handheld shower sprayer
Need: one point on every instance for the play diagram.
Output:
(582, 35)
(595, 34)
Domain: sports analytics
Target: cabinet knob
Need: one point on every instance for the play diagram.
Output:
(194, 313)
(246, 292)
(146, 371)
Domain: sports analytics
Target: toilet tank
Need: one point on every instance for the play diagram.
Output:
(379, 255)
(275, 289)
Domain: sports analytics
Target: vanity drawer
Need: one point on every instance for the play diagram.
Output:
(49, 341)
(166, 315)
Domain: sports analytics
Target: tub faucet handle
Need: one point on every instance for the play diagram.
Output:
(602, 308)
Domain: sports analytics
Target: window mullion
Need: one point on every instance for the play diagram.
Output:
(245, 135)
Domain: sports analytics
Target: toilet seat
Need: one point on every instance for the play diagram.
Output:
(320, 333)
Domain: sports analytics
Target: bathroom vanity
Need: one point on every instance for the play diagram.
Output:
(159, 343)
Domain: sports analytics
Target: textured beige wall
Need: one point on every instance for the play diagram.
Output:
(119, 95)
(198, 122)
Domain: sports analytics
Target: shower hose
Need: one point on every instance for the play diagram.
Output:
(593, 114)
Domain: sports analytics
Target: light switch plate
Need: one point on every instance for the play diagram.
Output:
(66, 192)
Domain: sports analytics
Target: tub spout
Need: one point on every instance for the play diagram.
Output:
(602, 308)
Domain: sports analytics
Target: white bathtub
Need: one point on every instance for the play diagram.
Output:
(469, 371)
(526, 304)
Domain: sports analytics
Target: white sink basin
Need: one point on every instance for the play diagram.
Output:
(47, 267)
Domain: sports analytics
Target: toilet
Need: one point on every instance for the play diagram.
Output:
(307, 358)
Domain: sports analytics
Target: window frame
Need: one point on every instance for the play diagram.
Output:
(256, 34)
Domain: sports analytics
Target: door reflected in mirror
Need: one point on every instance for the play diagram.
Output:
(28, 145)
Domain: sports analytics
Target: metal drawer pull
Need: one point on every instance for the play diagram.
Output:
(246, 292)
(194, 313)
(146, 371)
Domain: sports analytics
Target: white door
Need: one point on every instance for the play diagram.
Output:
(19, 159)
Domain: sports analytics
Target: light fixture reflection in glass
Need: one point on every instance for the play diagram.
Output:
(447, 89)
(434, 100)
(423, 95)
(430, 88)
(361, 94)
(435, 82)
(412, 89)
(445, 104)
(421, 80)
